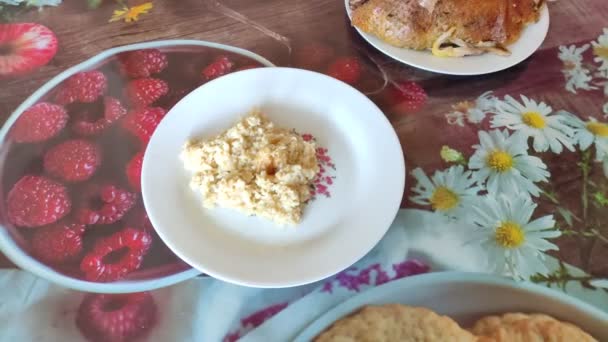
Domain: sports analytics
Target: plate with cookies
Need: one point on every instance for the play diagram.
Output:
(456, 37)
(462, 307)
(272, 177)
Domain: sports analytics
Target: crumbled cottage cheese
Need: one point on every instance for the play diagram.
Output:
(254, 167)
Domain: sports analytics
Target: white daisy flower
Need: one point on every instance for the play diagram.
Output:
(473, 111)
(600, 50)
(514, 244)
(589, 132)
(577, 77)
(536, 120)
(450, 192)
(504, 162)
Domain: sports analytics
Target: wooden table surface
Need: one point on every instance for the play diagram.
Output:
(278, 29)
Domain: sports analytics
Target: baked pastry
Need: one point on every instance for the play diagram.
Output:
(395, 322)
(452, 28)
(519, 327)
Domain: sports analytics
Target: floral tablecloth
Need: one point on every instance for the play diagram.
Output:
(506, 172)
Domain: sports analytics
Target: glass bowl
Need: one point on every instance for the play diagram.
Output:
(97, 219)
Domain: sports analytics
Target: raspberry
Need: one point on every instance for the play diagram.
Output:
(407, 97)
(145, 91)
(219, 67)
(143, 122)
(40, 122)
(113, 110)
(36, 201)
(58, 243)
(313, 56)
(115, 203)
(117, 255)
(116, 317)
(142, 63)
(133, 171)
(345, 69)
(73, 160)
(83, 87)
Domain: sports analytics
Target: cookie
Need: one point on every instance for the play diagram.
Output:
(395, 322)
(519, 327)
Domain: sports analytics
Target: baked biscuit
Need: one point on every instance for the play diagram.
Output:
(519, 327)
(395, 322)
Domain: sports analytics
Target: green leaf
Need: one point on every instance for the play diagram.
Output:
(600, 199)
(566, 214)
(94, 3)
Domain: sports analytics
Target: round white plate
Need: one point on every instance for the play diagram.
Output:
(466, 297)
(334, 233)
(530, 40)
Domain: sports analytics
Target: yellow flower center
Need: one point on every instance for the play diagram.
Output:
(598, 128)
(444, 199)
(500, 161)
(601, 51)
(509, 235)
(534, 119)
(463, 106)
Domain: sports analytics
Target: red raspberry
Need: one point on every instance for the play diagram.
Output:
(143, 122)
(133, 171)
(406, 97)
(40, 122)
(116, 317)
(73, 160)
(117, 255)
(83, 87)
(142, 63)
(145, 91)
(219, 67)
(115, 203)
(58, 243)
(36, 201)
(313, 56)
(113, 110)
(346, 69)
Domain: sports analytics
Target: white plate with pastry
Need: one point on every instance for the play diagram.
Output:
(271, 177)
(458, 306)
(456, 37)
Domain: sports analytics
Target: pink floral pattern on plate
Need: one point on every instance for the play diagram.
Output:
(326, 176)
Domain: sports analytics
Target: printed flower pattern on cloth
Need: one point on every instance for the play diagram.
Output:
(472, 111)
(254, 320)
(536, 120)
(503, 161)
(576, 75)
(354, 279)
(514, 244)
(326, 175)
(600, 51)
(450, 192)
(587, 76)
(588, 133)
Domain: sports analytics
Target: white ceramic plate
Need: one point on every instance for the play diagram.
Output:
(334, 233)
(466, 297)
(530, 40)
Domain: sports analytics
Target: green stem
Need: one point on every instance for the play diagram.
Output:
(585, 166)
